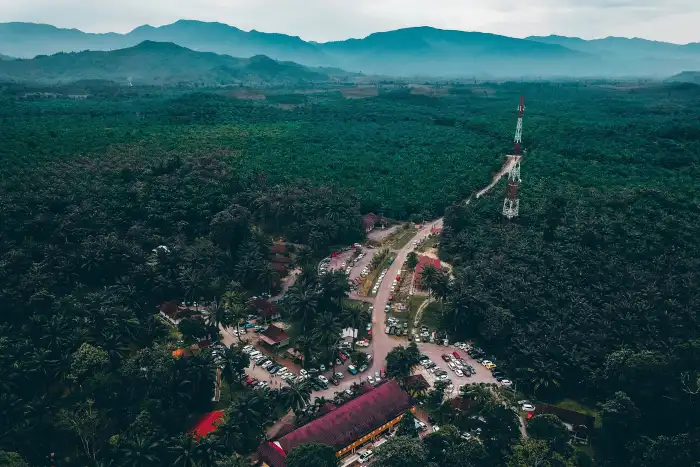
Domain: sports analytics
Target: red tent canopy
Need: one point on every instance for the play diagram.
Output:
(207, 424)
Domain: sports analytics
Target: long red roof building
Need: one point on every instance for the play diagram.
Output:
(343, 426)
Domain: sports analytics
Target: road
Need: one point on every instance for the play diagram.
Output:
(382, 343)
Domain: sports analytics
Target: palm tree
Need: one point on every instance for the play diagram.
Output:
(441, 288)
(183, 451)
(327, 332)
(217, 315)
(142, 452)
(298, 395)
(191, 280)
(303, 304)
(234, 304)
(308, 346)
(355, 317)
(428, 277)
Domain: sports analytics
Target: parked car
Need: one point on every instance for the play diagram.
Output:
(303, 372)
(528, 407)
(322, 367)
(352, 370)
(338, 375)
(506, 382)
(458, 372)
(365, 456)
(363, 368)
(323, 379)
(266, 364)
(370, 379)
(446, 357)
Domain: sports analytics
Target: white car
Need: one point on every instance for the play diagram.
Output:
(370, 379)
(528, 407)
(266, 364)
(323, 379)
(458, 372)
(303, 372)
(506, 382)
(365, 456)
(369, 326)
(486, 362)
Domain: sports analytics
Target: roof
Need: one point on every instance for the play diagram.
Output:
(279, 267)
(424, 261)
(273, 335)
(265, 308)
(344, 425)
(282, 259)
(565, 415)
(370, 219)
(207, 424)
(278, 248)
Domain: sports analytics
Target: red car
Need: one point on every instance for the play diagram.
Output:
(383, 374)
(456, 355)
(446, 358)
(342, 356)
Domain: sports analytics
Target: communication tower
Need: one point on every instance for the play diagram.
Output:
(511, 203)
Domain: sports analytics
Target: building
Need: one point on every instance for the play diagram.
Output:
(346, 428)
(423, 261)
(207, 424)
(274, 336)
(579, 424)
(265, 309)
(369, 221)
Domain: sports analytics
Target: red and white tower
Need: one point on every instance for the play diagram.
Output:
(511, 204)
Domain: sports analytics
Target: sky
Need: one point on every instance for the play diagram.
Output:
(325, 20)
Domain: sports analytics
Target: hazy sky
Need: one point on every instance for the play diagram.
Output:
(323, 20)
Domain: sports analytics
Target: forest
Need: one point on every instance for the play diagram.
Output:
(591, 294)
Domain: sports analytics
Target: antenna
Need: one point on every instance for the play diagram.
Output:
(511, 203)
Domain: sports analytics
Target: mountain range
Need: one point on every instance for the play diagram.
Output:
(419, 51)
(156, 63)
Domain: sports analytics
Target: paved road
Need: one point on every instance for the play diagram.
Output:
(382, 343)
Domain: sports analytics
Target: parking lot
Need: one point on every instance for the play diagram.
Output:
(435, 352)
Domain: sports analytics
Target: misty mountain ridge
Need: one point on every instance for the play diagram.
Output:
(156, 63)
(424, 51)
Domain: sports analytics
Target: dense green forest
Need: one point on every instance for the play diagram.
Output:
(590, 294)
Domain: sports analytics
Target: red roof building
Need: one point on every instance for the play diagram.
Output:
(369, 221)
(274, 336)
(345, 428)
(265, 308)
(207, 424)
(423, 261)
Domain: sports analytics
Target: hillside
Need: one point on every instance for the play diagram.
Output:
(423, 51)
(632, 55)
(6, 57)
(156, 63)
(685, 77)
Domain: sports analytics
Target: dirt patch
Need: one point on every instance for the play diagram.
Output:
(247, 94)
(428, 90)
(359, 92)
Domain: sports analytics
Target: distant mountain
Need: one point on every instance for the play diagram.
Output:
(685, 77)
(5, 57)
(421, 51)
(633, 56)
(156, 63)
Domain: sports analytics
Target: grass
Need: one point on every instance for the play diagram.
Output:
(403, 237)
(576, 406)
(413, 304)
(372, 276)
(432, 316)
(429, 243)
